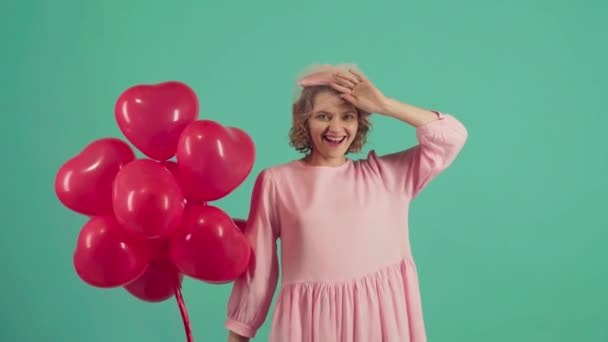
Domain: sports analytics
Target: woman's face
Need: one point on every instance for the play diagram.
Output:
(333, 127)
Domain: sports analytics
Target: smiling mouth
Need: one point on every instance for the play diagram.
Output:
(334, 140)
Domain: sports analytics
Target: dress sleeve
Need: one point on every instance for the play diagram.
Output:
(252, 292)
(439, 142)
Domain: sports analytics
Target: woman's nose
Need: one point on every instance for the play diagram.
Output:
(334, 128)
(335, 125)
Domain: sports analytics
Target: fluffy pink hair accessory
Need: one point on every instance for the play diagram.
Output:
(318, 74)
(317, 78)
(321, 74)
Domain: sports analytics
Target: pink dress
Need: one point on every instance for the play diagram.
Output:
(346, 263)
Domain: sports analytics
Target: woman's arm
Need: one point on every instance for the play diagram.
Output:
(234, 337)
(440, 136)
(407, 113)
(253, 291)
(361, 92)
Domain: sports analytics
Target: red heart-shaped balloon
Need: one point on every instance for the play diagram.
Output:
(148, 201)
(157, 283)
(213, 160)
(209, 246)
(174, 169)
(152, 117)
(106, 256)
(240, 223)
(84, 182)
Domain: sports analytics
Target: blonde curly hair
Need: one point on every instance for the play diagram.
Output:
(302, 109)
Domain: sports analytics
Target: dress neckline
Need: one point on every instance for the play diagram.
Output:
(303, 164)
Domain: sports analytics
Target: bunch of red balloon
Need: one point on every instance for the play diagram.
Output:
(149, 218)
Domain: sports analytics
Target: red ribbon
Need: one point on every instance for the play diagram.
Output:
(183, 311)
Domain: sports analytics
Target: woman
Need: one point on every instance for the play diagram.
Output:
(347, 267)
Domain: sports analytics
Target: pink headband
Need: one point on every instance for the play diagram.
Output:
(317, 78)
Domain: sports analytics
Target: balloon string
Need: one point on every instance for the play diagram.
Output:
(183, 311)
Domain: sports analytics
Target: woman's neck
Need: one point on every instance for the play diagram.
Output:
(315, 160)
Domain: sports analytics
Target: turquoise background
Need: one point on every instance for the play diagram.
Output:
(510, 241)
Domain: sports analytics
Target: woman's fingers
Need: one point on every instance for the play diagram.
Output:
(346, 80)
(360, 77)
(340, 88)
(350, 98)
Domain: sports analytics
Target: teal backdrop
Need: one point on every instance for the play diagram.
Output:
(510, 241)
